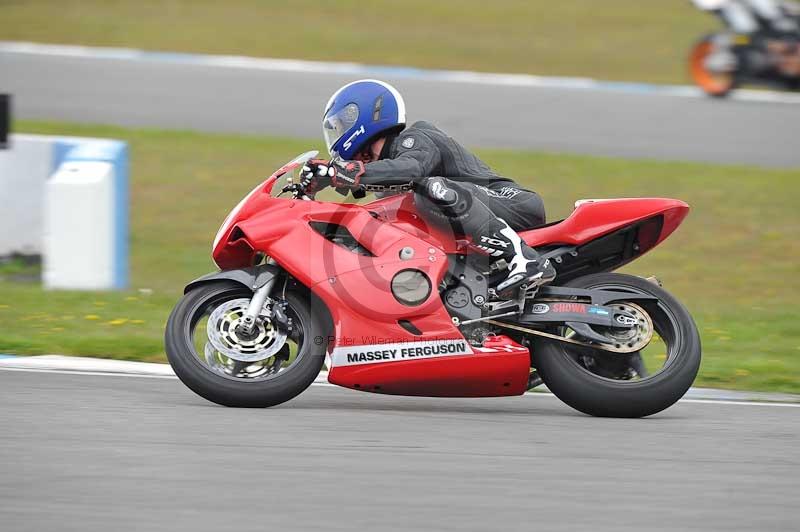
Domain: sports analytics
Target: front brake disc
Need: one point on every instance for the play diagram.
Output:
(265, 341)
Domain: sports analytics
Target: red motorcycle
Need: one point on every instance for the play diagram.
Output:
(394, 306)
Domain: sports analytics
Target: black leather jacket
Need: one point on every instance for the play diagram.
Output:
(422, 150)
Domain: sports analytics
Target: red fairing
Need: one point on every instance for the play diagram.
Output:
(357, 290)
(501, 367)
(230, 253)
(594, 218)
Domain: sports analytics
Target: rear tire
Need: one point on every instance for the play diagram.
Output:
(560, 368)
(229, 390)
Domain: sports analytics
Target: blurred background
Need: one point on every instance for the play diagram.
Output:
(574, 99)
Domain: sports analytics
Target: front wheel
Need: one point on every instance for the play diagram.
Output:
(213, 358)
(638, 384)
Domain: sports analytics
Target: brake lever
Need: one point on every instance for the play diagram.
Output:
(294, 188)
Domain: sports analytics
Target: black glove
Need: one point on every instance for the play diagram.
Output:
(315, 175)
(343, 175)
(346, 174)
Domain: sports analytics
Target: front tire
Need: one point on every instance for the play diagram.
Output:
(231, 383)
(605, 385)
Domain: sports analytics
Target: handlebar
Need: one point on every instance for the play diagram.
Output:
(298, 191)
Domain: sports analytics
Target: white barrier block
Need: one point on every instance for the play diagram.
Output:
(24, 172)
(79, 227)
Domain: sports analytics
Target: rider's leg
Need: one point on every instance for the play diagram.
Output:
(463, 207)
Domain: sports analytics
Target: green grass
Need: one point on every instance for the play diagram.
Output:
(613, 39)
(734, 262)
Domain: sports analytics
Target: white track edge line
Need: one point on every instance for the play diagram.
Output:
(739, 403)
(91, 373)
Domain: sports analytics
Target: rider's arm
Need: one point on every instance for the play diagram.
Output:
(417, 156)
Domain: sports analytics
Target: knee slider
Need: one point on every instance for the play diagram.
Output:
(451, 200)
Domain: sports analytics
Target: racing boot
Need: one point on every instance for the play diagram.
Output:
(525, 266)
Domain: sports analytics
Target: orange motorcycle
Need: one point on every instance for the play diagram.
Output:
(719, 63)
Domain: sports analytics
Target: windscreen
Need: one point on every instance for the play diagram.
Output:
(334, 125)
(287, 171)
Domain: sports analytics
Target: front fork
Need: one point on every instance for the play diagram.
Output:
(260, 297)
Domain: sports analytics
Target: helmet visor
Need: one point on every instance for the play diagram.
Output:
(335, 125)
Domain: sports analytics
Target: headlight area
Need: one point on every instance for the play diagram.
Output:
(232, 216)
(236, 251)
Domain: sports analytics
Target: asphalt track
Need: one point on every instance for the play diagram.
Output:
(97, 453)
(243, 95)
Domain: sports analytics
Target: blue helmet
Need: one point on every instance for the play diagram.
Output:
(358, 112)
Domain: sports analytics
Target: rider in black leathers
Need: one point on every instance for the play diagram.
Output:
(452, 188)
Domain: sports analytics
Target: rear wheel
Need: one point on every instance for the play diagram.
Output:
(717, 84)
(218, 362)
(638, 384)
